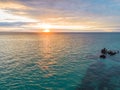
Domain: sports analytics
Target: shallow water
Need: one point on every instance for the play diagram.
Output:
(61, 61)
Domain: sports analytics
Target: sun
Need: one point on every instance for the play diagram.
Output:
(46, 30)
(46, 27)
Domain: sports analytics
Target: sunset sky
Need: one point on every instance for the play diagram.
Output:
(60, 15)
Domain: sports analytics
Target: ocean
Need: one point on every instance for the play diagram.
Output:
(59, 61)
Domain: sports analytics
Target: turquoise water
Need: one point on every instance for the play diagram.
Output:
(64, 61)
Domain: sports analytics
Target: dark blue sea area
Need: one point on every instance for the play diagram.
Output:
(58, 61)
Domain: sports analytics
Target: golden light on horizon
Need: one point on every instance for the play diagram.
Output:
(46, 27)
(46, 30)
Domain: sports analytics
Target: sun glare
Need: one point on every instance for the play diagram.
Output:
(46, 30)
(46, 27)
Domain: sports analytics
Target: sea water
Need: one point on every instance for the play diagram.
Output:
(59, 61)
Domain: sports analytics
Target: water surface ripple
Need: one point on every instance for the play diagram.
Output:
(59, 62)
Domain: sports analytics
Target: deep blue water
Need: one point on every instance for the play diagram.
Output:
(64, 61)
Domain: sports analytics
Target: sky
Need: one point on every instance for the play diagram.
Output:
(60, 15)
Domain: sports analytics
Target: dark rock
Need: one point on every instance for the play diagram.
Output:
(104, 51)
(111, 53)
(102, 56)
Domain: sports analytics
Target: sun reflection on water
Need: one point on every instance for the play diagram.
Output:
(48, 59)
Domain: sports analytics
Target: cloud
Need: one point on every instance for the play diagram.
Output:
(96, 14)
(6, 16)
(13, 24)
(12, 5)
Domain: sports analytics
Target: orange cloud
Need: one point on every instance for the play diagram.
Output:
(12, 5)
